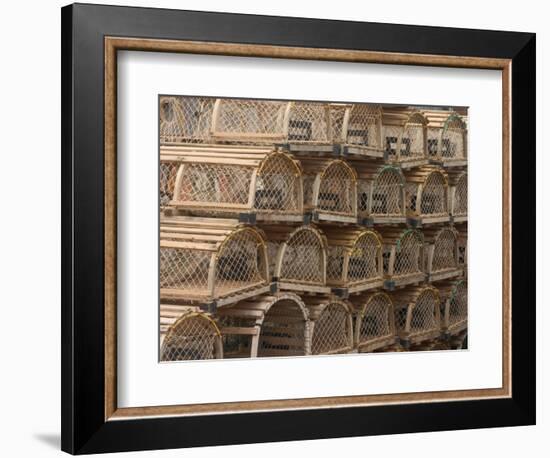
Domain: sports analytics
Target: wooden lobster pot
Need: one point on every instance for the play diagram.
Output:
(458, 195)
(302, 126)
(463, 246)
(298, 258)
(362, 130)
(441, 253)
(206, 260)
(405, 136)
(267, 325)
(427, 195)
(447, 138)
(380, 193)
(354, 259)
(188, 334)
(403, 256)
(417, 314)
(235, 180)
(331, 325)
(330, 190)
(455, 296)
(185, 119)
(374, 321)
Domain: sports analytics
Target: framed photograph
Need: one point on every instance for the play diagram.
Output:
(283, 228)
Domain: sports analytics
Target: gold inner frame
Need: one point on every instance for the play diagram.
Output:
(114, 44)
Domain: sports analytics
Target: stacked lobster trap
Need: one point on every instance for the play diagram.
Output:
(293, 228)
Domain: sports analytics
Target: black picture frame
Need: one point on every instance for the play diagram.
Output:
(84, 428)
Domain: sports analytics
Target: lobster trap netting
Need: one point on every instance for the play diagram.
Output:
(167, 181)
(304, 257)
(309, 122)
(335, 262)
(412, 141)
(387, 193)
(424, 315)
(278, 185)
(460, 206)
(408, 253)
(376, 319)
(185, 119)
(332, 330)
(192, 337)
(458, 304)
(364, 258)
(364, 126)
(452, 139)
(241, 262)
(254, 120)
(432, 141)
(184, 269)
(214, 184)
(284, 330)
(337, 189)
(434, 195)
(445, 250)
(392, 135)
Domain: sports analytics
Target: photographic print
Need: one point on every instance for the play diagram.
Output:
(296, 228)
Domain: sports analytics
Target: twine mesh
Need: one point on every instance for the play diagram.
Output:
(387, 193)
(335, 262)
(303, 258)
(364, 259)
(408, 254)
(259, 118)
(167, 181)
(412, 141)
(337, 190)
(332, 330)
(363, 192)
(434, 195)
(337, 113)
(458, 304)
(461, 196)
(364, 126)
(240, 262)
(309, 123)
(215, 183)
(433, 141)
(423, 316)
(283, 331)
(184, 269)
(391, 137)
(375, 320)
(452, 140)
(278, 185)
(190, 338)
(411, 191)
(185, 119)
(444, 256)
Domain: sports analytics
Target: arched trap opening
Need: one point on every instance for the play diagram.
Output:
(442, 253)
(427, 195)
(403, 256)
(374, 326)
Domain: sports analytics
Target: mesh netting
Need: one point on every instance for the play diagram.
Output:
(241, 262)
(309, 123)
(190, 338)
(335, 262)
(337, 189)
(283, 331)
(214, 183)
(462, 250)
(332, 330)
(391, 139)
(304, 258)
(412, 141)
(376, 318)
(184, 269)
(433, 141)
(278, 185)
(458, 304)
(250, 119)
(167, 181)
(424, 313)
(185, 119)
(444, 256)
(461, 196)
(452, 139)
(408, 253)
(434, 195)
(364, 126)
(364, 259)
(387, 193)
